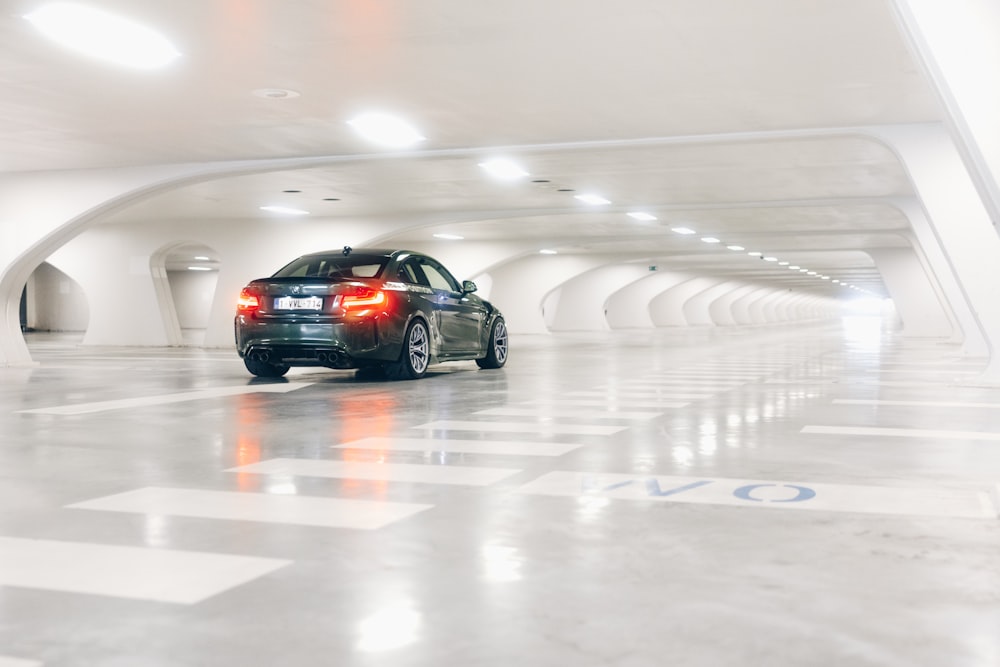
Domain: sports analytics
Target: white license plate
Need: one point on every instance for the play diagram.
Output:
(294, 303)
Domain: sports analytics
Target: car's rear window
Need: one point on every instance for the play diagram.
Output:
(334, 266)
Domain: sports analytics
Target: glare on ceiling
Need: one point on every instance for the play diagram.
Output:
(710, 239)
(593, 200)
(449, 237)
(639, 215)
(504, 169)
(103, 35)
(284, 210)
(386, 130)
(682, 230)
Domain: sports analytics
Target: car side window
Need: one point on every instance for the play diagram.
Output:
(439, 277)
(409, 274)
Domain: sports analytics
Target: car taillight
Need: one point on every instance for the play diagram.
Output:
(247, 301)
(365, 298)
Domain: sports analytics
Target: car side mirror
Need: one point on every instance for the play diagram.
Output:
(468, 287)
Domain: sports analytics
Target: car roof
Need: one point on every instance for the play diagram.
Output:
(378, 252)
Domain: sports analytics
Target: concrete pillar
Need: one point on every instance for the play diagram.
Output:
(960, 223)
(629, 307)
(697, 309)
(922, 314)
(581, 305)
(667, 309)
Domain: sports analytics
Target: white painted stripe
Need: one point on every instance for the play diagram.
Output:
(611, 404)
(900, 432)
(382, 472)
(548, 411)
(7, 661)
(259, 507)
(859, 381)
(636, 394)
(970, 503)
(507, 447)
(521, 427)
(921, 371)
(164, 399)
(698, 384)
(918, 404)
(162, 575)
(706, 376)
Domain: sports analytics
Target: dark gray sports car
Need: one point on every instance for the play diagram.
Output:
(357, 308)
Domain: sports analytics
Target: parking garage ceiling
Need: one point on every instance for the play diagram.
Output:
(735, 119)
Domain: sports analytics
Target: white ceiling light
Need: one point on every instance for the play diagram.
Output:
(593, 200)
(203, 258)
(783, 263)
(736, 248)
(682, 230)
(825, 277)
(504, 169)
(770, 259)
(794, 268)
(386, 130)
(811, 273)
(284, 210)
(754, 253)
(199, 268)
(709, 239)
(449, 237)
(803, 270)
(546, 251)
(103, 35)
(639, 215)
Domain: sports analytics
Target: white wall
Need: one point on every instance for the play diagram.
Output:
(56, 302)
(581, 305)
(629, 307)
(193, 293)
(922, 315)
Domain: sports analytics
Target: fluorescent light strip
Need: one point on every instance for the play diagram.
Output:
(639, 215)
(284, 210)
(593, 200)
(682, 230)
(386, 130)
(504, 169)
(710, 239)
(449, 237)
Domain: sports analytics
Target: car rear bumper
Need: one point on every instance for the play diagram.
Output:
(340, 344)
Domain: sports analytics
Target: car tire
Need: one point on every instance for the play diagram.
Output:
(263, 369)
(496, 350)
(415, 356)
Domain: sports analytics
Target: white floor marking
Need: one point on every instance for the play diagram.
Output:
(706, 376)
(162, 575)
(7, 661)
(623, 404)
(164, 399)
(970, 503)
(900, 432)
(918, 404)
(858, 381)
(549, 411)
(921, 371)
(508, 447)
(521, 427)
(260, 507)
(639, 394)
(382, 472)
(698, 384)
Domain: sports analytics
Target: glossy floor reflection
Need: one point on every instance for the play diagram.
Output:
(820, 495)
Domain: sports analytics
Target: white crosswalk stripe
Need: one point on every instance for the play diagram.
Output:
(259, 507)
(509, 447)
(520, 427)
(549, 411)
(383, 472)
(140, 573)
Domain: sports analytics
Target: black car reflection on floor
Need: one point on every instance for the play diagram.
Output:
(358, 308)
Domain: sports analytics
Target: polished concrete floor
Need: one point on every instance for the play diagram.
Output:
(820, 495)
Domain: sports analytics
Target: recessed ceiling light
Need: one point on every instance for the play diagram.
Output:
(837, 281)
(275, 93)
(546, 251)
(682, 230)
(825, 277)
(386, 130)
(199, 268)
(203, 258)
(710, 239)
(754, 253)
(103, 35)
(735, 247)
(794, 268)
(803, 270)
(504, 169)
(782, 263)
(639, 215)
(593, 200)
(449, 237)
(770, 259)
(811, 273)
(284, 210)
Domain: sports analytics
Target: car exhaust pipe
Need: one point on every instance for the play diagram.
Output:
(322, 357)
(261, 356)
